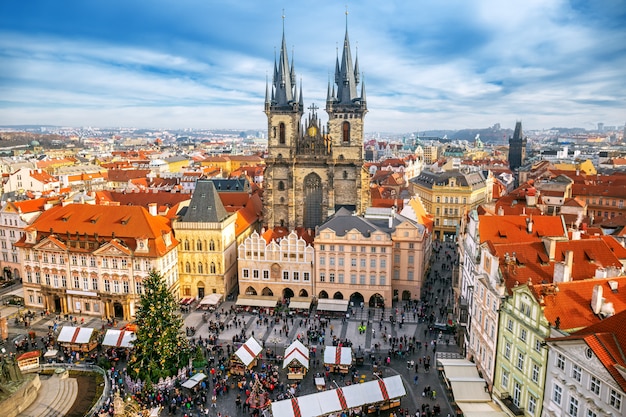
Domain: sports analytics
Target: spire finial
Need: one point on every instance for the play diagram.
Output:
(346, 17)
(283, 17)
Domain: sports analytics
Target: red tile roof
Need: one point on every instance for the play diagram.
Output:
(126, 223)
(511, 228)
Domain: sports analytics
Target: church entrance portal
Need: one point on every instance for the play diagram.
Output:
(312, 200)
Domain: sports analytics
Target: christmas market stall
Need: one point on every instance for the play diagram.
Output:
(245, 357)
(329, 307)
(119, 338)
(80, 339)
(368, 397)
(297, 360)
(257, 303)
(338, 358)
(211, 301)
(28, 360)
(193, 382)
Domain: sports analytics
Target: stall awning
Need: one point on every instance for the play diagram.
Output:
(211, 300)
(483, 409)
(118, 338)
(338, 355)
(257, 301)
(194, 380)
(329, 304)
(465, 389)
(70, 334)
(50, 353)
(303, 303)
(249, 351)
(296, 352)
(336, 400)
(186, 301)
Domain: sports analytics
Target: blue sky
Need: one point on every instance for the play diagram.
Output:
(203, 63)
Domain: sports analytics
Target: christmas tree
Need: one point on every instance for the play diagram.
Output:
(160, 348)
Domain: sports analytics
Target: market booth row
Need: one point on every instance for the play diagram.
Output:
(245, 357)
(338, 358)
(80, 339)
(300, 305)
(467, 388)
(331, 307)
(297, 360)
(263, 303)
(380, 394)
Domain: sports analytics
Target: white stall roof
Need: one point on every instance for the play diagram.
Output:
(118, 338)
(249, 351)
(211, 300)
(482, 409)
(465, 389)
(194, 380)
(330, 304)
(345, 356)
(296, 351)
(70, 334)
(328, 402)
(300, 302)
(257, 301)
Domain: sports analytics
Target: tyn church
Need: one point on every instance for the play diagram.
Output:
(312, 170)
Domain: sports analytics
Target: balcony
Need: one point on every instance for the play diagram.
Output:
(508, 403)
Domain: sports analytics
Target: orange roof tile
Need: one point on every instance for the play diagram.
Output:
(511, 228)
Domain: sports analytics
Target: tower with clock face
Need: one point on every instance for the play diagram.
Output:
(313, 169)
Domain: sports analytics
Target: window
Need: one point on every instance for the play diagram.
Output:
(557, 394)
(322, 277)
(535, 373)
(296, 276)
(507, 350)
(373, 249)
(591, 413)
(409, 275)
(352, 279)
(383, 263)
(372, 279)
(116, 286)
(246, 273)
(200, 268)
(572, 408)
(523, 334)
(125, 286)
(138, 287)
(114, 263)
(411, 259)
(105, 262)
(525, 308)
(306, 276)
(85, 284)
(213, 268)
(340, 278)
(340, 261)
(188, 267)
(615, 399)
(255, 274)
(322, 260)
(198, 245)
(76, 282)
(94, 283)
(372, 263)
(576, 372)
(362, 263)
(517, 393)
(594, 385)
(509, 325)
(396, 259)
(537, 345)
(285, 275)
(353, 262)
(560, 361)
(331, 261)
(532, 404)
(281, 133)
(345, 132)
(107, 285)
(520, 361)
(505, 379)
(362, 279)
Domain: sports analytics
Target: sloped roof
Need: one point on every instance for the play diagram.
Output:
(142, 198)
(512, 228)
(205, 205)
(125, 175)
(571, 304)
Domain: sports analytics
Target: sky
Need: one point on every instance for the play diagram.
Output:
(426, 64)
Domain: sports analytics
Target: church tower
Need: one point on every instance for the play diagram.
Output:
(517, 148)
(312, 170)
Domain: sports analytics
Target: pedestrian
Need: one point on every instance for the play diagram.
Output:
(415, 380)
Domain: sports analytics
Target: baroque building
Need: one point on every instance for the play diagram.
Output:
(84, 259)
(313, 170)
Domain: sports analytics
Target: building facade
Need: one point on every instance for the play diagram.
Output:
(449, 195)
(207, 255)
(84, 259)
(313, 170)
(282, 268)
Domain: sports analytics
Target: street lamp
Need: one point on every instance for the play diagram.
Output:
(275, 340)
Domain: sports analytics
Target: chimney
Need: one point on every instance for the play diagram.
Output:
(152, 208)
(596, 299)
(550, 245)
(500, 211)
(529, 224)
(391, 221)
(563, 270)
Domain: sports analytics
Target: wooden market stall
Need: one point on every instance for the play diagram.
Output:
(368, 397)
(80, 339)
(338, 358)
(211, 301)
(297, 360)
(245, 357)
(28, 360)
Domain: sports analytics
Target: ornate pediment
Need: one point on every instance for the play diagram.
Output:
(50, 244)
(112, 249)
